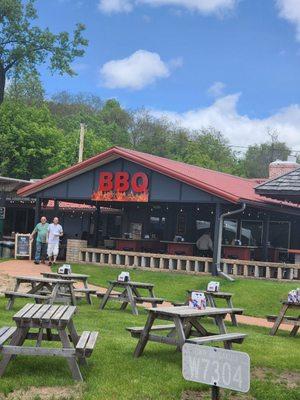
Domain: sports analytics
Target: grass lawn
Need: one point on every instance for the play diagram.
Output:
(113, 373)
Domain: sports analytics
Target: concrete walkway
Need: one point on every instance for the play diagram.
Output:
(28, 268)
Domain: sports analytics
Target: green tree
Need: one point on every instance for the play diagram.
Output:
(30, 141)
(209, 149)
(27, 88)
(259, 156)
(23, 46)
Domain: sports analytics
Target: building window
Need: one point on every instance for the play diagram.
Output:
(251, 233)
(229, 231)
(279, 234)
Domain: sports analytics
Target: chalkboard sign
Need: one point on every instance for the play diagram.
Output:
(22, 245)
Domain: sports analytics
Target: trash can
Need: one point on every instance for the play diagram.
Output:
(8, 249)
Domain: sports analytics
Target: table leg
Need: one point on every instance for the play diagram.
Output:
(295, 329)
(17, 340)
(279, 319)
(144, 335)
(106, 296)
(125, 303)
(76, 374)
(222, 328)
(75, 338)
(54, 293)
(11, 300)
(151, 291)
(87, 295)
(232, 316)
(132, 301)
(72, 294)
(180, 332)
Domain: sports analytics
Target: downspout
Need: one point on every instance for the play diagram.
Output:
(222, 217)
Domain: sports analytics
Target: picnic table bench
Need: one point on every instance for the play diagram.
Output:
(283, 318)
(86, 291)
(41, 290)
(130, 295)
(54, 323)
(185, 327)
(211, 300)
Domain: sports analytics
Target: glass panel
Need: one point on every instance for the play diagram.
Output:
(279, 234)
(229, 231)
(251, 233)
(202, 225)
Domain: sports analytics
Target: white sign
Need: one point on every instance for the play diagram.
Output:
(227, 369)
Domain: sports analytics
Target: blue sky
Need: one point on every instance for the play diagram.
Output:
(232, 64)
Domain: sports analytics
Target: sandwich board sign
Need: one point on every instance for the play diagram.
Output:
(23, 245)
(217, 367)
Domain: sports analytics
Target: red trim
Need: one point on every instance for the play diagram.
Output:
(229, 187)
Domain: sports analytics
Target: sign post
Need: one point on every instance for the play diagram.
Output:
(217, 367)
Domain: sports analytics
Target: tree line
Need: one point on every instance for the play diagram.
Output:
(40, 136)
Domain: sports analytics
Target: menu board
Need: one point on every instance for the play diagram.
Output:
(22, 245)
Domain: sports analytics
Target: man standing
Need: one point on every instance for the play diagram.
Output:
(205, 245)
(41, 232)
(55, 231)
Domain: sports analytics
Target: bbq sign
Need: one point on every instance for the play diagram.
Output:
(122, 186)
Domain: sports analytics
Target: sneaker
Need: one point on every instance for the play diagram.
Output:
(36, 262)
(50, 263)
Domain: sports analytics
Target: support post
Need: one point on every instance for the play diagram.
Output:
(37, 211)
(2, 204)
(56, 208)
(215, 393)
(96, 236)
(216, 249)
(265, 238)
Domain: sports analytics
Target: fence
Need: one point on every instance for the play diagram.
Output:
(188, 264)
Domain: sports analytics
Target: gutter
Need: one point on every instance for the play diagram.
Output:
(218, 261)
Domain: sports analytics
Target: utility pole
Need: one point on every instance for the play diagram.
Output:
(81, 142)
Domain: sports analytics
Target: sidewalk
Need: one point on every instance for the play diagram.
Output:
(28, 268)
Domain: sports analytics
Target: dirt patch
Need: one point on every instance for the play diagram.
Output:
(289, 379)
(46, 393)
(195, 395)
(6, 282)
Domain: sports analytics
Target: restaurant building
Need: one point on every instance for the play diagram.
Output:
(161, 207)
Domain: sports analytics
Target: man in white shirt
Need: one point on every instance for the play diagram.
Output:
(205, 245)
(55, 231)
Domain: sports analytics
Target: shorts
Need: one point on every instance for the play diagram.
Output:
(52, 249)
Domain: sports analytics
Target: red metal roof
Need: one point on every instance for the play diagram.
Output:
(229, 187)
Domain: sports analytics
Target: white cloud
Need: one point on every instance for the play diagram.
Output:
(136, 71)
(240, 129)
(202, 6)
(115, 6)
(290, 10)
(216, 89)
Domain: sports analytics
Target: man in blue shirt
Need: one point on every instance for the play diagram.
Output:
(41, 232)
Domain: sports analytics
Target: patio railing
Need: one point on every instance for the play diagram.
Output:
(188, 264)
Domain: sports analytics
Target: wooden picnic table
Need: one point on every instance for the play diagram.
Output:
(54, 323)
(42, 290)
(186, 324)
(283, 318)
(77, 278)
(130, 295)
(211, 300)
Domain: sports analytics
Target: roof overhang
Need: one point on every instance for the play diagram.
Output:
(111, 155)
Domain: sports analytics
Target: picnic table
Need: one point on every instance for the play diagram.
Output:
(77, 278)
(186, 327)
(130, 295)
(42, 290)
(283, 318)
(211, 300)
(54, 323)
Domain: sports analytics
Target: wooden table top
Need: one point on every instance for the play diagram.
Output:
(65, 276)
(290, 303)
(45, 313)
(186, 311)
(39, 279)
(214, 294)
(131, 283)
